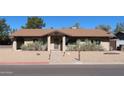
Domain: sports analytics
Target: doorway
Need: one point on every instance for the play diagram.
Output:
(20, 42)
(56, 43)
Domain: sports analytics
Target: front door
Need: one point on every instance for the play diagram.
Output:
(20, 42)
(56, 46)
(56, 42)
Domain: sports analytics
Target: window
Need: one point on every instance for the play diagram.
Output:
(34, 40)
(97, 42)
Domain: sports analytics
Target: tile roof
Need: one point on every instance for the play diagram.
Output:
(68, 32)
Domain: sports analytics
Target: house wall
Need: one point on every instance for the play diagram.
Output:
(105, 45)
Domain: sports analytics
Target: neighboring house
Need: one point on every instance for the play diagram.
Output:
(120, 39)
(59, 39)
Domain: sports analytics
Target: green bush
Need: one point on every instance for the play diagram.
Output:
(71, 47)
(36, 46)
(23, 47)
(91, 47)
(87, 46)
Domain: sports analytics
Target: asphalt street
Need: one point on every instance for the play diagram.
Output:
(62, 70)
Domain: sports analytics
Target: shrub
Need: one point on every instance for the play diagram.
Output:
(29, 46)
(91, 47)
(87, 46)
(71, 47)
(36, 46)
(23, 47)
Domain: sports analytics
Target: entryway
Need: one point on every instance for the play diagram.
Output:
(56, 43)
(20, 42)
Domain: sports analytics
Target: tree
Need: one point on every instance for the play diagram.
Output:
(51, 27)
(104, 27)
(119, 27)
(4, 30)
(34, 23)
(12, 31)
(76, 25)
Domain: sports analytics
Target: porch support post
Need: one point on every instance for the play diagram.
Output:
(14, 45)
(63, 43)
(48, 43)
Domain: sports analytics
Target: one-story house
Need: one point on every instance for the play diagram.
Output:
(120, 39)
(58, 39)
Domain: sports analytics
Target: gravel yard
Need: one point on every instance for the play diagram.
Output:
(70, 57)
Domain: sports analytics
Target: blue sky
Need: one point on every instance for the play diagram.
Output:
(67, 21)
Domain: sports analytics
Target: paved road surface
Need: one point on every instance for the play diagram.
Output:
(61, 70)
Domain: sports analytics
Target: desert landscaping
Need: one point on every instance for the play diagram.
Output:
(34, 43)
(7, 55)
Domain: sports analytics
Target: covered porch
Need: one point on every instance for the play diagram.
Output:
(54, 41)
